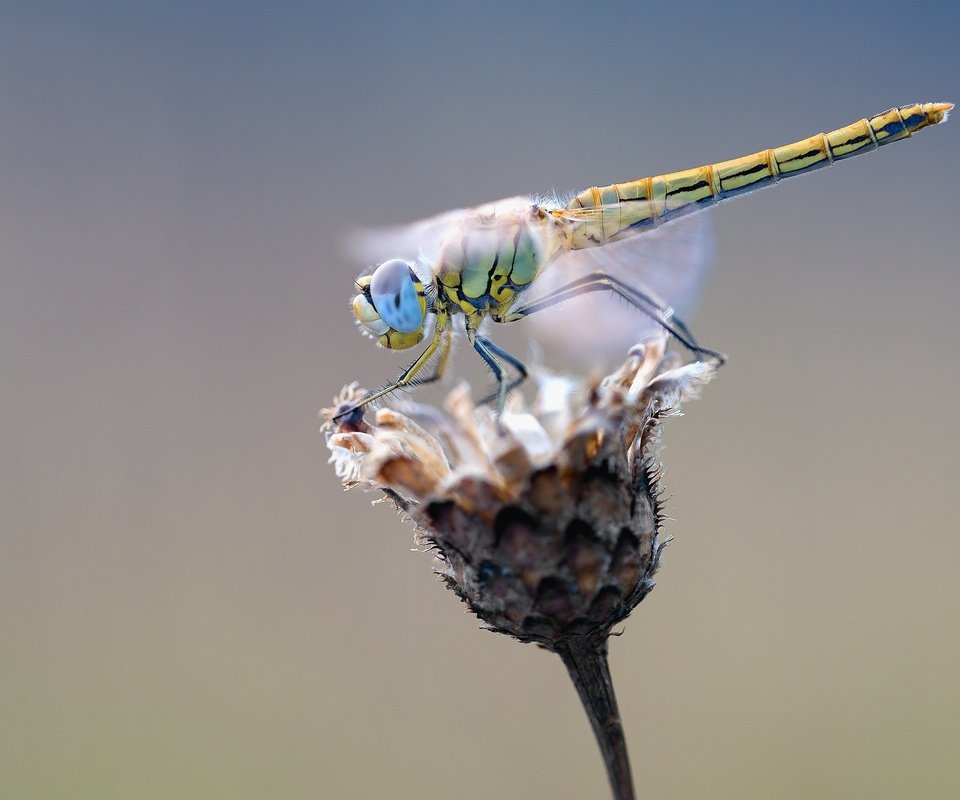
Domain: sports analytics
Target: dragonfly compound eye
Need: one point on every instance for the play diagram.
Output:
(397, 295)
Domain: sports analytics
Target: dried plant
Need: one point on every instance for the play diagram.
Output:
(547, 521)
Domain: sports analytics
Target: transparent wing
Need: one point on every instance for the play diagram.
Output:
(414, 241)
(421, 240)
(668, 263)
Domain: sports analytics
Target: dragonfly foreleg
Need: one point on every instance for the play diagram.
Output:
(408, 376)
(602, 282)
(489, 352)
(442, 360)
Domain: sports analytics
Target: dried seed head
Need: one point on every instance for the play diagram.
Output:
(547, 522)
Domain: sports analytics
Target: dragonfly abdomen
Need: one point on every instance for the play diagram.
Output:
(623, 209)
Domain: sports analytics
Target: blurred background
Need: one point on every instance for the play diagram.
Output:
(190, 606)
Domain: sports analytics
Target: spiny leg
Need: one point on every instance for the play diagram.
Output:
(601, 281)
(496, 367)
(442, 360)
(503, 388)
(489, 352)
(406, 377)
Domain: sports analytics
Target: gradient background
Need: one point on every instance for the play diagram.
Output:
(191, 607)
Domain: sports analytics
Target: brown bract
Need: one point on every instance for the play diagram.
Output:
(546, 522)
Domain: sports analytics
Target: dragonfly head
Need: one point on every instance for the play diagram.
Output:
(391, 305)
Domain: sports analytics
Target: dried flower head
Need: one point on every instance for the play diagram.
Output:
(545, 522)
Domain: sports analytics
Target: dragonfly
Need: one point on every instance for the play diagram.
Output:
(480, 263)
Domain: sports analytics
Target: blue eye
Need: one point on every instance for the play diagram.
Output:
(395, 297)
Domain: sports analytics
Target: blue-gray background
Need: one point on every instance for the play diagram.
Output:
(191, 607)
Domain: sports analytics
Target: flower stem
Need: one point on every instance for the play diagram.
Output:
(586, 661)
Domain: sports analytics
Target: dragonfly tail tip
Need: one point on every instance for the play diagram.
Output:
(940, 112)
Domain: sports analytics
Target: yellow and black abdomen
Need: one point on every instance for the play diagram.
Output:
(623, 209)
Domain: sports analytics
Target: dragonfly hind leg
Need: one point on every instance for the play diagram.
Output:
(602, 282)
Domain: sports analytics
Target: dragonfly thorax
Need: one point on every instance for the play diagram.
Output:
(486, 261)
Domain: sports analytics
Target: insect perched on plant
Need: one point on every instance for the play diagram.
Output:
(481, 262)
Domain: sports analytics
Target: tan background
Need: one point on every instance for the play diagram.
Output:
(190, 606)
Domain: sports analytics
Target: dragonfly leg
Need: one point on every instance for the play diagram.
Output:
(489, 352)
(442, 360)
(408, 376)
(602, 282)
